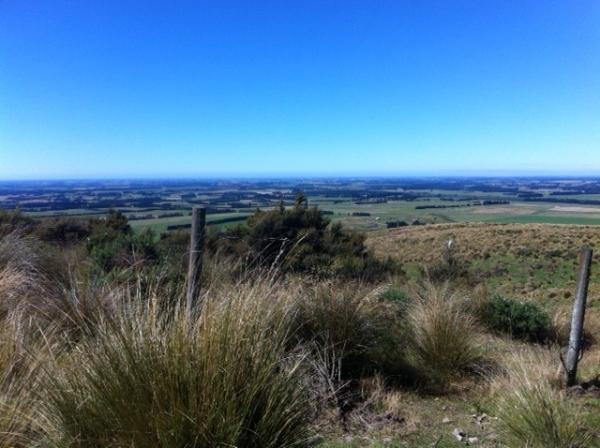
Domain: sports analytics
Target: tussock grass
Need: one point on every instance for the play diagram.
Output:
(444, 338)
(351, 325)
(23, 352)
(532, 409)
(149, 378)
(561, 327)
(342, 318)
(115, 361)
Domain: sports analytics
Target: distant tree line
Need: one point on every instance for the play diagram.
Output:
(485, 202)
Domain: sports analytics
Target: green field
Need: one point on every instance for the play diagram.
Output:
(344, 206)
(515, 212)
(159, 225)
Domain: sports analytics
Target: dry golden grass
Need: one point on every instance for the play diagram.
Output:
(424, 244)
(533, 261)
(249, 337)
(531, 403)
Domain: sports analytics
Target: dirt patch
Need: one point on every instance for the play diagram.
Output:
(575, 209)
(510, 211)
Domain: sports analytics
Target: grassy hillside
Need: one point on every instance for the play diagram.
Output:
(303, 350)
(536, 261)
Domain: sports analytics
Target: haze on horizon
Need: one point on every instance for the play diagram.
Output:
(120, 89)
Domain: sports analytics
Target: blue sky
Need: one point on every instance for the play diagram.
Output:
(249, 88)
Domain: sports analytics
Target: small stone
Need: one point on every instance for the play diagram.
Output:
(459, 434)
(446, 420)
(576, 390)
(348, 439)
(387, 440)
(472, 440)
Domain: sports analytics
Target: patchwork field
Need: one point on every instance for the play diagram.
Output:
(409, 211)
(364, 204)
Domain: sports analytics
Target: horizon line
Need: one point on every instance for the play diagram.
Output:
(266, 177)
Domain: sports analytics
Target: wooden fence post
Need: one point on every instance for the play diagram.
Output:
(196, 252)
(576, 335)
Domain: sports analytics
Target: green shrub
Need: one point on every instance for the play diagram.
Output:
(395, 295)
(301, 239)
(113, 244)
(63, 231)
(522, 320)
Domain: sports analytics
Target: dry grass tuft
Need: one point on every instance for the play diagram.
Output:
(445, 338)
(532, 409)
(150, 378)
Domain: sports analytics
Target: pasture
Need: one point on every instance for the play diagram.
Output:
(408, 211)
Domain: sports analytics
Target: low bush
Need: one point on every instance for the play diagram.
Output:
(15, 221)
(63, 231)
(396, 296)
(449, 268)
(521, 320)
(302, 240)
(113, 244)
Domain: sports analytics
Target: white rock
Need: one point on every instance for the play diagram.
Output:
(459, 434)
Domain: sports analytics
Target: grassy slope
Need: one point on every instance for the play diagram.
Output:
(524, 260)
(536, 261)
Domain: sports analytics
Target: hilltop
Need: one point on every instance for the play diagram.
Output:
(304, 334)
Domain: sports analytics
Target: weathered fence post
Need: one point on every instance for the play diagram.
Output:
(196, 252)
(576, 335)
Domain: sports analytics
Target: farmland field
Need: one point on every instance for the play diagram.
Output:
(364, 204)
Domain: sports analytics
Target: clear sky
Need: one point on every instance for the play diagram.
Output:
(116, 88)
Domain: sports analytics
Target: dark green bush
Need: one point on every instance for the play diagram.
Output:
(63, 231)
(15, 220)
(522, 320)
(394, 295)
(112, 244)
(301, 239)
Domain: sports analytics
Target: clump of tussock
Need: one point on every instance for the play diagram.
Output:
(151, 378)
(445, 343)
(20, 278)
(32, 283)
(353, 326)
(561, 328)
(23, 350)
(532, 409)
